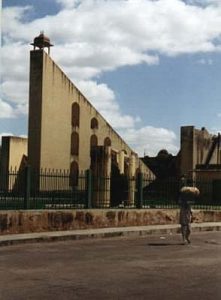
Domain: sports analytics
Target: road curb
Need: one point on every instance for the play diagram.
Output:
(14, 239)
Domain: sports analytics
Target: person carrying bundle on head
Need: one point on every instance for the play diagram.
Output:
(186, 215)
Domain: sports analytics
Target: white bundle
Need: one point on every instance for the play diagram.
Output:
(190, 190)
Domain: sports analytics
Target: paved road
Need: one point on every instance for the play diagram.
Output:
(151, 267)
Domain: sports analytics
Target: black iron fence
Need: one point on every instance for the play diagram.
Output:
(52, 189)
(47, 189)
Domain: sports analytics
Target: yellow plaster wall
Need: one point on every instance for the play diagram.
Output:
(58, 95)
(17, 148)
(13, 149)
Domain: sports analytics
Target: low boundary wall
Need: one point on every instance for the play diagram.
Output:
(28, 221)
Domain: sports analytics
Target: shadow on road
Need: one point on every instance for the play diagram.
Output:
(164, 244)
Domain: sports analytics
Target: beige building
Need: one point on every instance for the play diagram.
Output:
(198, 147)
(13, 153)
(64, 127)
(200, 161)
(67, 133)
(13, 159)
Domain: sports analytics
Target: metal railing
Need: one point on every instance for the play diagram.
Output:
(53, 189)
(47, 189)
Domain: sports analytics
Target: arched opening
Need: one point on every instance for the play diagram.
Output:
(93, 144)
(93, 141)
(74, 173)
(126, 167)
(118, 185)
(94, 123)
(75, 114)
(107, 141)
(74, 143)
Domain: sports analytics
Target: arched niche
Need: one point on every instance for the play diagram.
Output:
(75, 120)
(94, 123)
(107, 141)
(93, 141)
(74, 173)
(74, 143)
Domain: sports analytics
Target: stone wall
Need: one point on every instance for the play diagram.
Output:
(52, 220)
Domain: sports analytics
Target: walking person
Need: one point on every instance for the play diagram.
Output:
(187, 195)
(185, 220)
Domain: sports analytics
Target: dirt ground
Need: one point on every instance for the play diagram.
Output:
(151, 267)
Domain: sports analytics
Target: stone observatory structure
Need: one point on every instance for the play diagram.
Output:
(65, 131)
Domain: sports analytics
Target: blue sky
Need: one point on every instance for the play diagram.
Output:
(149, 67)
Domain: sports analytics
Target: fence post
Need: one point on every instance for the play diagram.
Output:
(88, 188)
(139, 190)
(27, 186)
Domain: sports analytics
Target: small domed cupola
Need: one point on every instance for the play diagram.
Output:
(41, 42)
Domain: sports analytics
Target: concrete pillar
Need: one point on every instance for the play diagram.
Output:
(108, 176)
(132, 180)
(101, 168)
(121, 161)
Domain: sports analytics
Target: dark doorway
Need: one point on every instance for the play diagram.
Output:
(119, 186)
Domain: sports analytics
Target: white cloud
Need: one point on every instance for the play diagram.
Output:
(103, 99)
(12, 23)
(6, 110)
(15, 61)
(171, 27)
(15, 91)
(93, 59)
(150, 140)
(92, 37)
